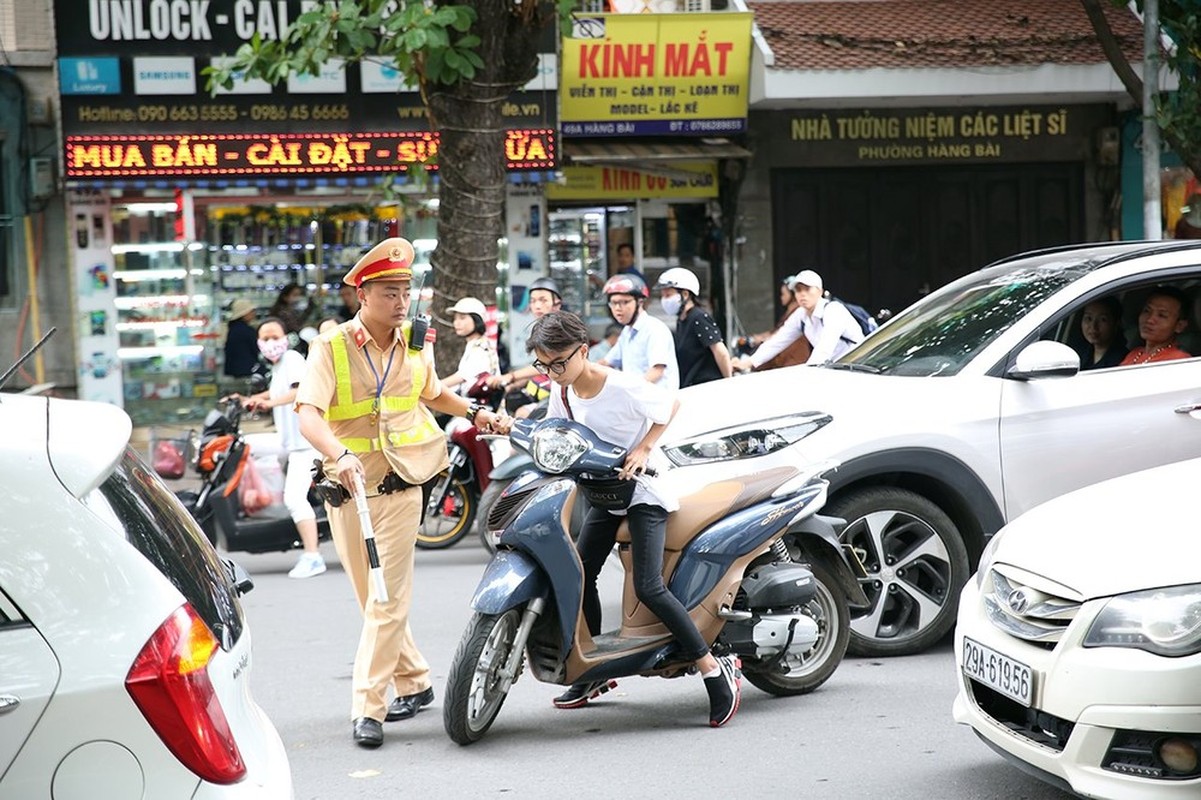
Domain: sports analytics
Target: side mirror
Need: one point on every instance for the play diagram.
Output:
(1045, 360)
(238, 576)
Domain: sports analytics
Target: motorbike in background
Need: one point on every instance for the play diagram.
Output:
(453, 500)
(761, 575)
(223, 456)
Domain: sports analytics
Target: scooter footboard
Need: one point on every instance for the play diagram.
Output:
(511, 579)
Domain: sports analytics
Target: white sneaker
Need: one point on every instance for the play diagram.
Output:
(310, 564)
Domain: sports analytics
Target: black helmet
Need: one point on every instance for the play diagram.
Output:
(627, 283)
(549, 285)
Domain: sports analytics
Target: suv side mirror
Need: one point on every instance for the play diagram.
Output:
(1045, 360)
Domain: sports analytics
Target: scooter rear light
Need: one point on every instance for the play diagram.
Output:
(169, 683)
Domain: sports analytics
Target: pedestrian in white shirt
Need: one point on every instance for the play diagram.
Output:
(826, 323)
(479, 356)
(646, 345)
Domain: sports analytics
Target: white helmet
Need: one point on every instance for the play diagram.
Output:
(680, 278)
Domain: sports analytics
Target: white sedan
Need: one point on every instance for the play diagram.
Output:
(125, 656)
(1079, 639)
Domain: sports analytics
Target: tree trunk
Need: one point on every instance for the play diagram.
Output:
(471, 164)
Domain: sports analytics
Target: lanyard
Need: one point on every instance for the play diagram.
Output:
(379, 382)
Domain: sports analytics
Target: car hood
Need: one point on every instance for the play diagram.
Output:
(1122, 535)
(775, 393)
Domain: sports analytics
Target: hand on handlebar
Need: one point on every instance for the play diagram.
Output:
(635, 463)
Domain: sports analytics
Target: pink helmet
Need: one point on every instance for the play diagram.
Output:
(626, 283)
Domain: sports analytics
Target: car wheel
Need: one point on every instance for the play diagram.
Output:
(916, 564)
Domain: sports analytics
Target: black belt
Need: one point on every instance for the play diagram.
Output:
(335, 493)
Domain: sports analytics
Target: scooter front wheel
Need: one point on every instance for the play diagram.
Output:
(475, 688)
(450, 514)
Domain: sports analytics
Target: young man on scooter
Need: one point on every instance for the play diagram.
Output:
(626, 410)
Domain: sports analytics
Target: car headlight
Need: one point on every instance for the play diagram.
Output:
(746, 441)
(1166, 622)
(556, 449)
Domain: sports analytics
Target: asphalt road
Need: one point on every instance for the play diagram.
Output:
(878, 729)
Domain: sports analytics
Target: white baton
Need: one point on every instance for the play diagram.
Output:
(377, 574)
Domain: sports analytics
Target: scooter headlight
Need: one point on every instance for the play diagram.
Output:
(746, 441)
(556, 449)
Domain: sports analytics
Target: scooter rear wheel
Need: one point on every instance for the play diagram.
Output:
(475, 690)
(454, 506)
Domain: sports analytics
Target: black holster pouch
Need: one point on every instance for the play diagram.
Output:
(331, 492)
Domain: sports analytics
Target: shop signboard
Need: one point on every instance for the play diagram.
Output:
(696, 179)
(137, 66)
(245, 154)
(653, 74)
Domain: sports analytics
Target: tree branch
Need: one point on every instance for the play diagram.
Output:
(1113, 50)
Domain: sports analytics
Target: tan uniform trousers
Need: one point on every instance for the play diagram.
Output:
(387, 653)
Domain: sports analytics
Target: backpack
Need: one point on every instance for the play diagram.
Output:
(867, 323)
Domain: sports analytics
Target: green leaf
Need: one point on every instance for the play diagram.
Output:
(416, 39)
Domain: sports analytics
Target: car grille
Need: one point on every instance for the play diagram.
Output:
(1039, 727)
(1038, 614)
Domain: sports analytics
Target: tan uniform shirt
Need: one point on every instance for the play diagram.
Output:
(415, 463)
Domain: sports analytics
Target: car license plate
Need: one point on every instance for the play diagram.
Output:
(1010, 678)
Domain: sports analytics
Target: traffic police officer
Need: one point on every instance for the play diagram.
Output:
(364, 404)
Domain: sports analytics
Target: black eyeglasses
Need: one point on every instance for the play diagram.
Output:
(559, 365)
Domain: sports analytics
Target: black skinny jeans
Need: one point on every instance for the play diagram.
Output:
(648, 534)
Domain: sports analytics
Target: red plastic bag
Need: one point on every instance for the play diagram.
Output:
(253, 493)
(168, 460)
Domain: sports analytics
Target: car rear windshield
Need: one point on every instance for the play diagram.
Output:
(940, 335)
(136, 502)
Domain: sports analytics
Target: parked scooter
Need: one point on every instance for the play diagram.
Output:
(452, 505)
(760, 574)
(221, 460)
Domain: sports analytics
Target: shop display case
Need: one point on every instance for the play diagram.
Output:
(575, 241)
(167, 331)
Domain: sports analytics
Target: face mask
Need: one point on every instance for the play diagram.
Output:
(298, 304)
(273, 349)
(671, 304)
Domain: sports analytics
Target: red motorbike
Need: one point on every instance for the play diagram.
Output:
(454, 498)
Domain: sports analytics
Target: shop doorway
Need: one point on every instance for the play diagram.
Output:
(582, 243)
(884, 238)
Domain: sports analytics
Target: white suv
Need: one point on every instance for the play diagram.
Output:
(960, 413)
(125, 654)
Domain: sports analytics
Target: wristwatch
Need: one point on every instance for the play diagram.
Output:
(472, 410)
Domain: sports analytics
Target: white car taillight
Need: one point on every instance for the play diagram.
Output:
(169, 682)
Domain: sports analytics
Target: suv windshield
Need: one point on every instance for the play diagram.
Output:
(942, 334)
(137, 504)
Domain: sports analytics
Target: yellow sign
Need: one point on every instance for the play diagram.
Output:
(681, 179)
(650, 74)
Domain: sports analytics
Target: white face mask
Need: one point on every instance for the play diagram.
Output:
(671, 303)
(273, 349)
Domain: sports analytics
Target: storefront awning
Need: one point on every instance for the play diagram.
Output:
(190, 182)
(651, 157)
(625, 153)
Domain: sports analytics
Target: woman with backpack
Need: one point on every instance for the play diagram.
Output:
(827, 323)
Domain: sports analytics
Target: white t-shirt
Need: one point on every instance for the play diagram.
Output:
(286, 374)
(621, 413)
(479, 358)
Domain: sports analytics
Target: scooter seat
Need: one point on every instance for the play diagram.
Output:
(710, 503)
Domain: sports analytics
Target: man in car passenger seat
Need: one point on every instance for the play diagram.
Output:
(363, 404)
(1159, 323)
